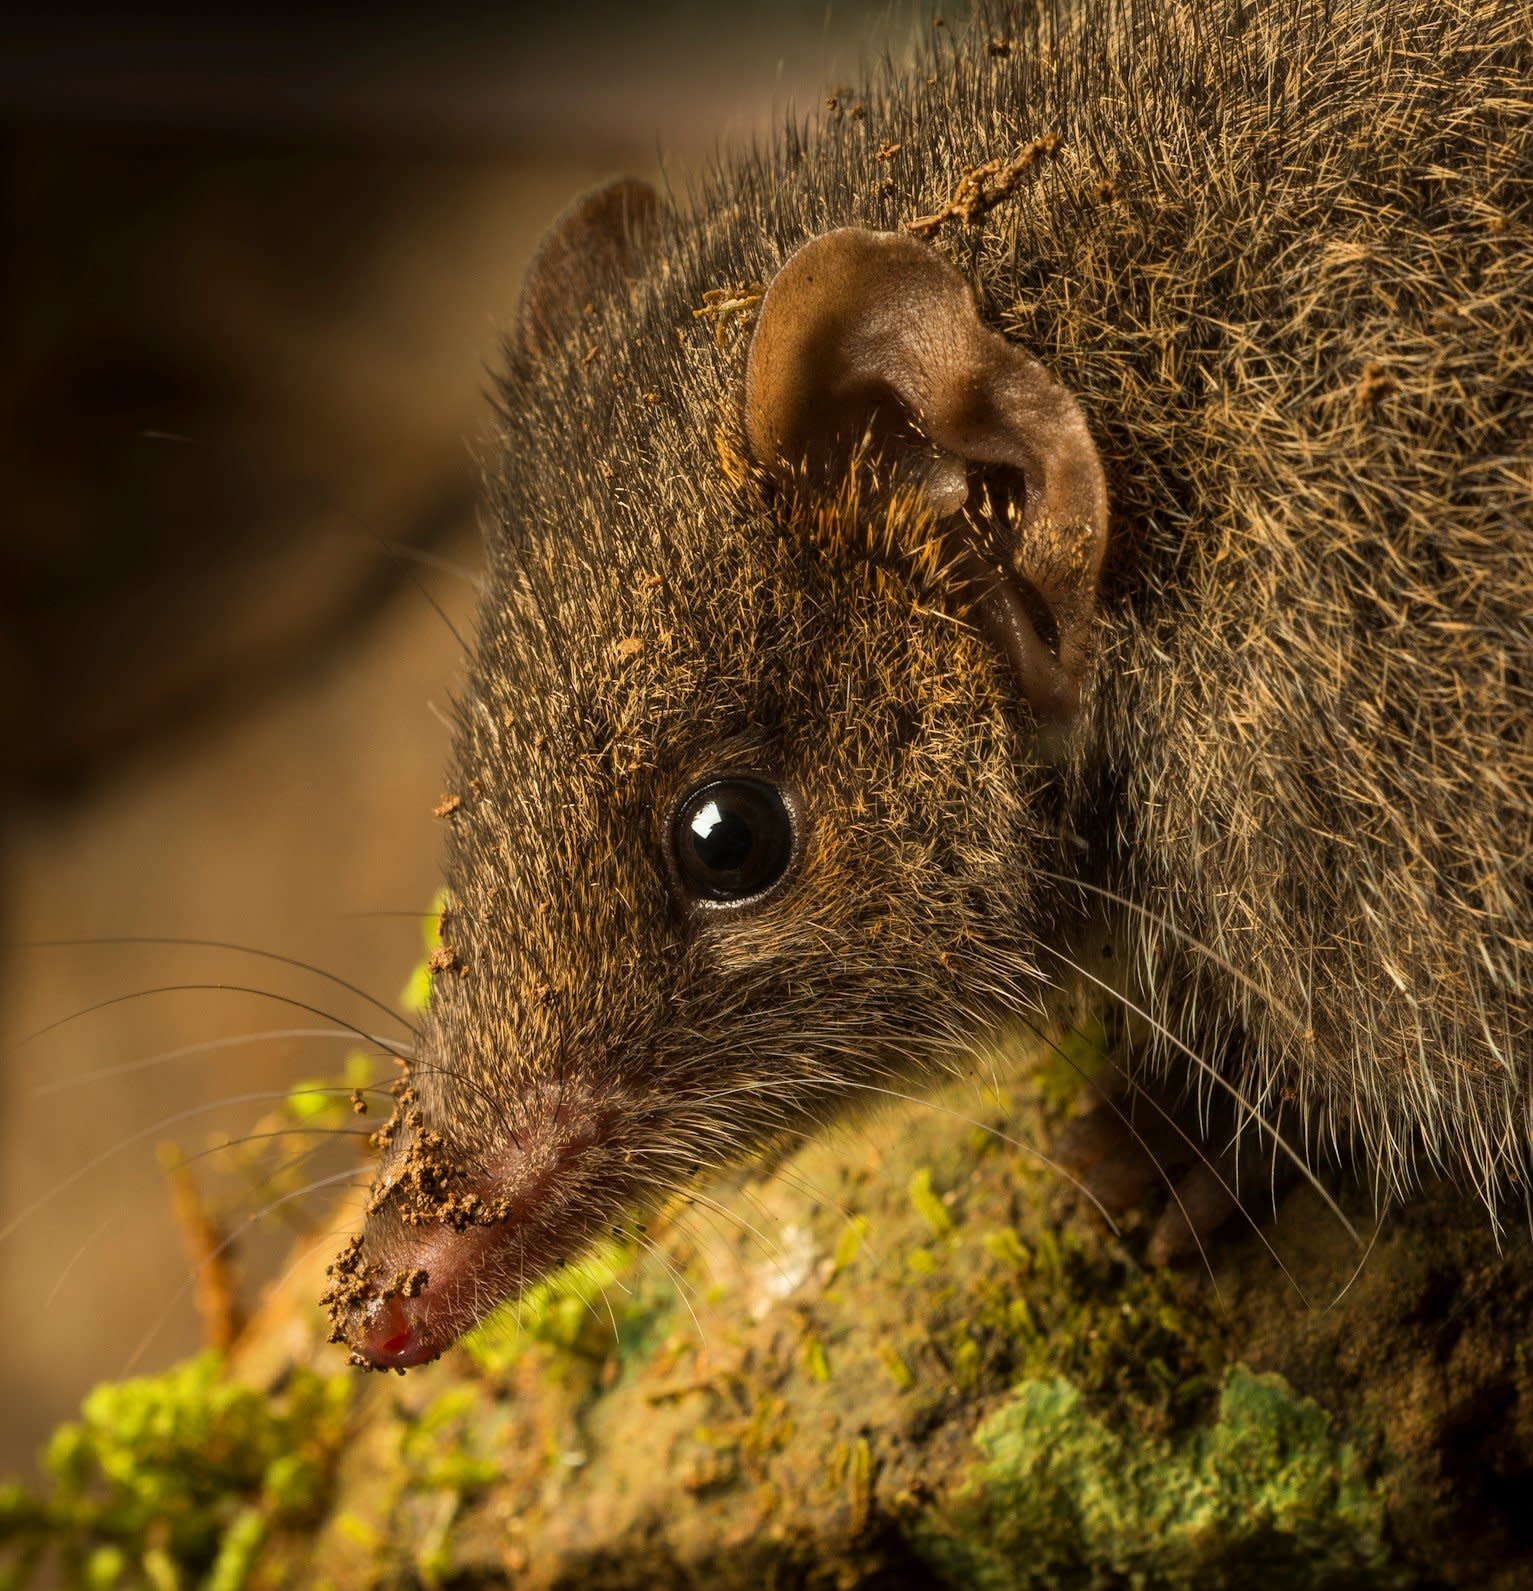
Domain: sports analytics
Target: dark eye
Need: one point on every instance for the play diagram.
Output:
(733, 838)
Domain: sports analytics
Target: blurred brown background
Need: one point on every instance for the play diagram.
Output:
(254, 270)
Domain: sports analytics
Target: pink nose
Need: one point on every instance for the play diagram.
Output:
(393, 1338)
(398, 1327)
(447, 1275)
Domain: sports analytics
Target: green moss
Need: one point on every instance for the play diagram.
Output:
(1264, 1494)
(816, 1361)
(416, 994)
(105, 1568)
(237, 1551)
(177, 1479)
(1004, 1245)
(317, 1101)
(811, 1381)
(441, 1446)
(850, 1241)
(603, 1304)
(1068, 1062)
(928, 1205)
(894, 1363)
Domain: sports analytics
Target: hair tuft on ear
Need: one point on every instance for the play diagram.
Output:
(871, 341)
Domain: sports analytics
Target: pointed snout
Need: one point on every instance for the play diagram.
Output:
(423, 1273)
(430, 1304)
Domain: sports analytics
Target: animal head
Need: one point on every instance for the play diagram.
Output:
(750, 771)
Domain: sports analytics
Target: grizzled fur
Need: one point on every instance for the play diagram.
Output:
(1282, 255)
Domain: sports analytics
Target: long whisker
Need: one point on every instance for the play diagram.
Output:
(1197, 1149)
(651, 1247)
(441, 612)
(617, 1339)
(281, 1132)
(416, 915)
(208, 988)
(1006, 1138)
(232, 1041)
(223, 944)
(704, 1236)
(77, 1256)
(323, 1240)
(1358, 1270)
(261, 1181)
(597, 1291)
(771, 1251)
(219, 1252)
(1139, 1138)
(431, 560)
(1217, 1077)
(92, 1164)
(832, 1085)
(791, 1177)
(1165, 923)
(521, 1284)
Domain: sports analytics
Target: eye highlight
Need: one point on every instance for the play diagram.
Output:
(731, 840)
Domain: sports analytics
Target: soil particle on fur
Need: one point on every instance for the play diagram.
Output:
(981, 188)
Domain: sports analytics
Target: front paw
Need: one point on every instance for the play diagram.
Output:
(1133, 1138)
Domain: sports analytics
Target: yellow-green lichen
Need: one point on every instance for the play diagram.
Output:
(1266, 1493)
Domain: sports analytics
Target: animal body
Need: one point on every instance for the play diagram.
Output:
(1091, 466)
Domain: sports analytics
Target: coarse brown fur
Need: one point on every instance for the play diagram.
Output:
(1282, 256)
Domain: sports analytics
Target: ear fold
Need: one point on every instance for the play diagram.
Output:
(603, 236)
(873, 338)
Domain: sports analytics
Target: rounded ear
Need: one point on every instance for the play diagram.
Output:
(872, 340)
(601, 238)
